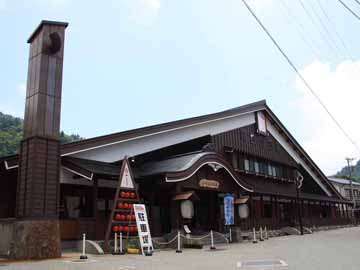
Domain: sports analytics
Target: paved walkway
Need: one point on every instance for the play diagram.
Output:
(330, 250)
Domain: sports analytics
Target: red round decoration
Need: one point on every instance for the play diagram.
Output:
(121, 228)
(126, 228)
(120, 205)
(129, 205)
(132, 195)
(128, 217)
(115, 228)
(125, 205)
(122, 194)
(117, 217)
(122, 217)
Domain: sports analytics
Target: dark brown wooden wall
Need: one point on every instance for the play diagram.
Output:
(38, 187)
(258, 145)
(8, 193)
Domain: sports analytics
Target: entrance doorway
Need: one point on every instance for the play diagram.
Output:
(208, 212)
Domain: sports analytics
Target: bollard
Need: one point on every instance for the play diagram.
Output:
(254, 236)
(115, 243)
(230, 236)
(261, 234)
(83, 255)
(212, 247)
(178, 243)
(266, 234)
(121, 252)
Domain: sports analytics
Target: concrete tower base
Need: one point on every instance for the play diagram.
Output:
(36, 239)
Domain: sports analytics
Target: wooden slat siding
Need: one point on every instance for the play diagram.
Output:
(38, 190)
(261, 146)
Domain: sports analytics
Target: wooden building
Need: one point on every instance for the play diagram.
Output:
(245, 151)
(183, 170)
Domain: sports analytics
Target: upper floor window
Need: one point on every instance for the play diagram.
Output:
(256, 167)
(261, 123)
(270, 171)
(246, 165)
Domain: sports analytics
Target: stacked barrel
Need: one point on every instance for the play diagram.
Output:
(124, 218)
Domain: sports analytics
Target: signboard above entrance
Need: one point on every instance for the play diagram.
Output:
(209, 184)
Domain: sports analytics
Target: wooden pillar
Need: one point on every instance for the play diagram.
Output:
(310, 213)
(278, 210)
(261, 210)
(272, 211)
(252, 210)
(94, 202)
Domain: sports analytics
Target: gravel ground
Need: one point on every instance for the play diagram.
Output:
(330, 250)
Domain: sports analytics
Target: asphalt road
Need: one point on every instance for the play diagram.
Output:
(327, 250)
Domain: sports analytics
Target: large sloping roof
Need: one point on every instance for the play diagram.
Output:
(130, 134)
(343, 181)
(96, 142)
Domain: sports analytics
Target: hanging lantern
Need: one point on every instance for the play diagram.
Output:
(187, 209)
(243, 210)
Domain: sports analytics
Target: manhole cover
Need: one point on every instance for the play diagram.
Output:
(81, 261)
(263, 265)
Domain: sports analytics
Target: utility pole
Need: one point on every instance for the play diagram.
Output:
(349, 160)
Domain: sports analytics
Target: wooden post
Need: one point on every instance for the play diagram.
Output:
(276, 212)
(95, 199)
(252, 210)
(261, 210)
(272, 211)
(310, 213)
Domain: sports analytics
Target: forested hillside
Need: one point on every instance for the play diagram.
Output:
(11, 134)
(355, 172)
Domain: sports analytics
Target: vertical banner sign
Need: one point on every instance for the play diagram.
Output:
(229, 209)
(143, 228)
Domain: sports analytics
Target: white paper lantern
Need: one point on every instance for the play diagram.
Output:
(243, 211)
(187, 209)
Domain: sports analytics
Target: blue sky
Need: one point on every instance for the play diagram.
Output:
(132, 63)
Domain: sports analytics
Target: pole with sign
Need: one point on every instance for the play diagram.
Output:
(143, 229)
(229, 211)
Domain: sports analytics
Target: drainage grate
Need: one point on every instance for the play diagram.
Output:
(263, 265)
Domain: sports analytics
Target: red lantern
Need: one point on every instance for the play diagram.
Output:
(117, 217)
(115, 228)
(126, 228)
(122, 194)
(122, 217)
(128, 217)
(120, 205)
(121, 228)
(125, 205)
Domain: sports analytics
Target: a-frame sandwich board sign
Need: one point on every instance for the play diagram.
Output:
(122, 218)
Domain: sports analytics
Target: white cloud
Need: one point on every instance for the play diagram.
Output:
(144, 12)
(338, 88)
